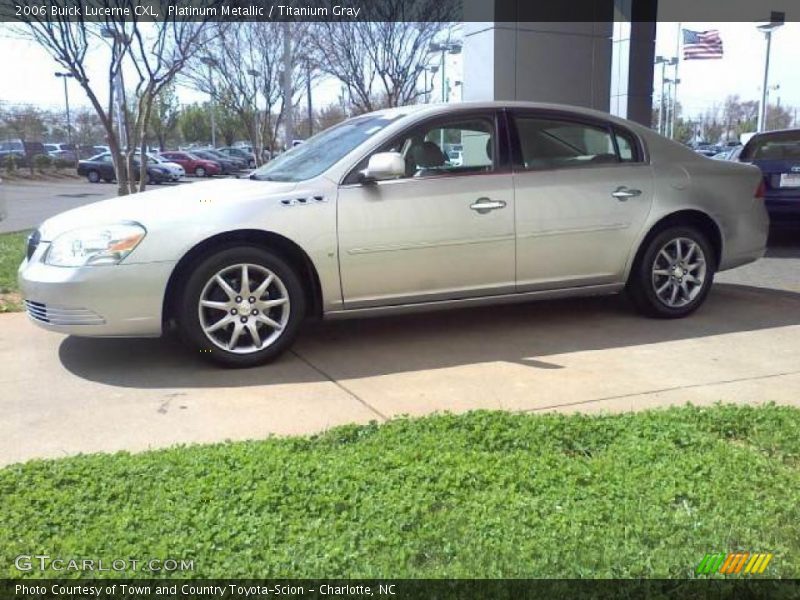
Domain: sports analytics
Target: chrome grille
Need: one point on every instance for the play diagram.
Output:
(58, 315)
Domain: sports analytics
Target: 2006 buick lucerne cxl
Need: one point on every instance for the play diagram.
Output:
(369, 217)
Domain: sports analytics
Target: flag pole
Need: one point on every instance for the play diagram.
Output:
(675, 83)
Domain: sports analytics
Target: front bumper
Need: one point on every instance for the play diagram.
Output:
(123, 300)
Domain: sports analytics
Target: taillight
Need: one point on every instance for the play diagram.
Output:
(761, 190)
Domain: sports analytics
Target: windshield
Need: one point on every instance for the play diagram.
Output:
(320, 152)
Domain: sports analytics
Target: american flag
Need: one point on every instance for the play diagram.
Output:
(701, 44)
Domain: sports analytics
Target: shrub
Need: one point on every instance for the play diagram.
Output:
(42, 162)
(10, 163)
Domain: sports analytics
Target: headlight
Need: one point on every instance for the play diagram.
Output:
(101, 245)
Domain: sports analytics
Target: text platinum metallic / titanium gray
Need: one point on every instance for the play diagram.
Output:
(374, 216)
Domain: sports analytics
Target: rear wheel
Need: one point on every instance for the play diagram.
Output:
(673, 275)
(241, 307)
(200, 172)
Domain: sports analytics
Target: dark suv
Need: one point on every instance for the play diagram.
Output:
(777, 154)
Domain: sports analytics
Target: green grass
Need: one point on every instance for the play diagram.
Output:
(12, 251)
(487, 494)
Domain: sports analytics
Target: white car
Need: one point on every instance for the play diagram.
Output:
(368, 218)
(175, 170)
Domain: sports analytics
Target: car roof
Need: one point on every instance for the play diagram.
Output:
(443, 107)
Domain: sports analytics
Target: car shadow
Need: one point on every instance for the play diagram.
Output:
(783, 243)
(525, 334)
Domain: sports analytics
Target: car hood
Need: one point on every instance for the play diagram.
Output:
(165, 206)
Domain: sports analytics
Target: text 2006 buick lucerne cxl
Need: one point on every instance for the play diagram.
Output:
(370, 217)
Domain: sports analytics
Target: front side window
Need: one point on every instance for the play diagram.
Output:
(547, 143)
(443, 147)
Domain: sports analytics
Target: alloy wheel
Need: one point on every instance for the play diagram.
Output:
(244, 308)
(679, 272)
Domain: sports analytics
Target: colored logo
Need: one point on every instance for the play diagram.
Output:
(734, 564)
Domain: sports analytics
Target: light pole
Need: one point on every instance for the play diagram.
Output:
(664, 62)
(669, 128)
(443, 48)
(211, 62)
(118, 38)
(257, 150)
(66, 76)
(767, 29)
(432, 70)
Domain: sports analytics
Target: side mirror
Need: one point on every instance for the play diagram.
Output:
(384, 165)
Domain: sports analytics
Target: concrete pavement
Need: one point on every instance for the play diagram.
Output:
(28, 203)
(64, 395)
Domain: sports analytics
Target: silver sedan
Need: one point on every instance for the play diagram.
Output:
(373, 217)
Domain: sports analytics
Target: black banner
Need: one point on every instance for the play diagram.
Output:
(589, 11)
(403, 589)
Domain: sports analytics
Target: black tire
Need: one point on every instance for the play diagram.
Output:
(93, 177)
(107, 180)
(199, 172)
(189, 319)
(642, 282)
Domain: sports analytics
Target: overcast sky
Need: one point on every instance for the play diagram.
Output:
(26, 71)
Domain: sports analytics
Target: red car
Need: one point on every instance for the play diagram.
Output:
(193, 164)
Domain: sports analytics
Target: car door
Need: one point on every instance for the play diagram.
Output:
(442, 231)
(179, 158)
(583, 190)
(106, 167)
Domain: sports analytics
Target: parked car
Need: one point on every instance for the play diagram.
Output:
(239, 163)
(101, 167)
(730, 153)
(63, 155)
(24, 152)
(239, 153)
(176, 171)
(14, 148)
(455, 158)
(226, 166)
(367, 218)
(777, 154)
(191, 163)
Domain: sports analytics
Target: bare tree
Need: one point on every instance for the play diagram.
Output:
(379, 61)
(156, 51)
(242, 69)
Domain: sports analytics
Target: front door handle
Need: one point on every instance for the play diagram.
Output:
(484, 205)
(622, 193)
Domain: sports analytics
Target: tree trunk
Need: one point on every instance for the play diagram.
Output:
(144, 119)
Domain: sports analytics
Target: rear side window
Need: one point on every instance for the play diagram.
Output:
(547, 143)
(782, 146)
(626, 146)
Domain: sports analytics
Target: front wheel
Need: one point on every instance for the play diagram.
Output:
(93, 177)
(673, 275)
(241, 307)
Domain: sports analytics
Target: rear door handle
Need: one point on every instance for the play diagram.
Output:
(622, 193)
(484, 205)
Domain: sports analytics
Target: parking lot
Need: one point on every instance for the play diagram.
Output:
(31, 202)
(65, 395)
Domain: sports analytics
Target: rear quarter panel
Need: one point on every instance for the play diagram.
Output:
(723, 190)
